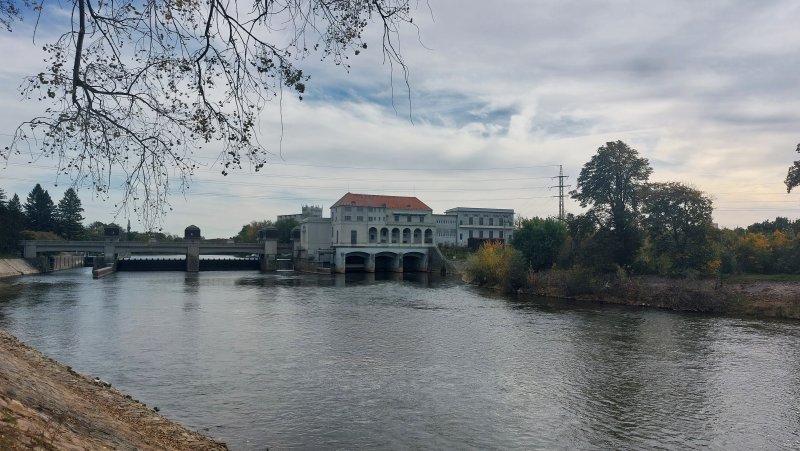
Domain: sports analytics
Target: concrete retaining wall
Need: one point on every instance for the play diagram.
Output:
(10, 267)
(60, 262)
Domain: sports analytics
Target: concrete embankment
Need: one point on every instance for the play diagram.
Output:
(45, 405)
(10, 267)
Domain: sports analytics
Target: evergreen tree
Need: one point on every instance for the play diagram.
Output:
(12, 221)
(39, 210)
(69, 217)
(15, 207)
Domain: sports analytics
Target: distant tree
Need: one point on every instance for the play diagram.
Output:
(539, 241)
(779, 224)
(285, 227)
(610, 184)
(94, 231)
(249, 232)
(793, 177)
(133, 88)
(678, 220)
(39, 210)
(69, 216)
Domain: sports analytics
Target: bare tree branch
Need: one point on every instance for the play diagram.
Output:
(152, 81)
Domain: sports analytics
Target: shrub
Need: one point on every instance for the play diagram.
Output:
(497, 265)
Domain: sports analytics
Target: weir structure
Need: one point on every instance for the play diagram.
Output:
(113, 249)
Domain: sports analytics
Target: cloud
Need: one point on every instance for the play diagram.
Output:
(503, 93)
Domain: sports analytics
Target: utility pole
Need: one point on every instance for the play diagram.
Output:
(561, 186)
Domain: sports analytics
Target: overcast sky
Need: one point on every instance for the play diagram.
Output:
(501, 96)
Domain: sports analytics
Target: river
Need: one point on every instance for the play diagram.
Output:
(285, 360)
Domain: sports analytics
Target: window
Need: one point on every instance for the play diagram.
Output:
(491, 234)
(353, 237)
(422, 219)
(347, 218)
(480, 234)
(470, 233)
(359, 208)
(480, 221)
(470, 221)
(460, 236)
(359, 218)
(491, 221)
(501, 234)
(408, 218)
(396, 218)
(347, 209)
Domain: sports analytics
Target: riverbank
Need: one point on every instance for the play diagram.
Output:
(11, 267)
(762, 298)
(45, 405)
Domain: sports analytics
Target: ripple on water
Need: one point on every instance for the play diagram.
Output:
(401, 361)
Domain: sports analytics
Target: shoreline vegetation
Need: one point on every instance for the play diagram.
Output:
(747, 296)
(775, 296)
(47, 406)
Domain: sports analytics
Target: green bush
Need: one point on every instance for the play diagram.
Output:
(497, 265)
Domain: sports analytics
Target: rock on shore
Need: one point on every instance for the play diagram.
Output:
(45, 405)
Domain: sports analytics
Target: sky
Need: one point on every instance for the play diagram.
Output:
(500, 99)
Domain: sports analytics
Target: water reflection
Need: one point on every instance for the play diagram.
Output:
(408, 360)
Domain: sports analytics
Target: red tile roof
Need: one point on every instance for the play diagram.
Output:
(374, 200)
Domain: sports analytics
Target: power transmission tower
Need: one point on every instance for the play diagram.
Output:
(561, 186)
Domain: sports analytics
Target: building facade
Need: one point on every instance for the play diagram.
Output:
(368, 220)
(307, 211)
(446, 229)
(381, 233)
(482, 223)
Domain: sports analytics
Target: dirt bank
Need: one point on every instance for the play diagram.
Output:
(772, 299)
(45, 405)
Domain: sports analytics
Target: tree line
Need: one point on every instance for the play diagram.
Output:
(39, 218)
(635, 226)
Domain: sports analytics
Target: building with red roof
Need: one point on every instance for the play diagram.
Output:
(372, 219)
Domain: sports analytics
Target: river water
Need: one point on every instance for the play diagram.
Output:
(390, 361)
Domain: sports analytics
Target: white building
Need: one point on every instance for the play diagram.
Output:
(307, 211)
(368, 219)
(315, 235)
(446, 229)
(483, 223)
(381, 233)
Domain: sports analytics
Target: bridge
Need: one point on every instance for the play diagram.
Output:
(192, 247)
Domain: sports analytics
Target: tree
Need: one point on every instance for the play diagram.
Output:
(249, 232)
(8, 13)
(678, 219)
(285, 227)
(39, 210)
(135, 87)
(12, 222)
(539, 241)
(69, 216)
(95, 231)
(610, 184)
(793, 177)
